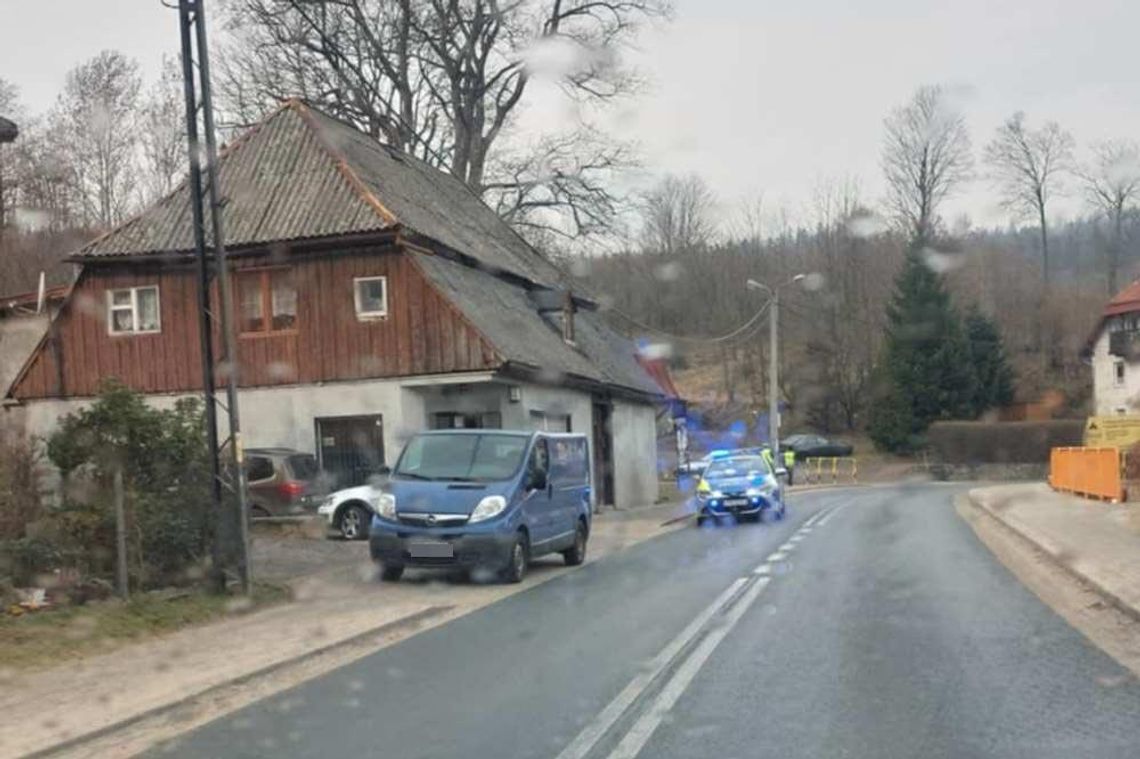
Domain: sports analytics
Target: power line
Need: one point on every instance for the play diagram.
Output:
(694, 338)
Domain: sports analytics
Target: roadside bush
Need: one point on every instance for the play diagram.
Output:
(1001, 442)
(20, 488)
(163, 457)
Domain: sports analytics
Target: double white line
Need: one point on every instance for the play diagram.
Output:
(733, 603)
(641, 731)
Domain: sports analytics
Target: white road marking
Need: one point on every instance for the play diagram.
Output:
(777, 556)
(831, 514)
(763, 569)
(584, 742)
(795, 538)
(816, 517)
(788, 547)
(642, 730)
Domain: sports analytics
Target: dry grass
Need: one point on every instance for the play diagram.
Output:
(43, 638)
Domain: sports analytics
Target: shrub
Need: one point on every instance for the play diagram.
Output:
(1001, 442)
(20, 489)
(163, 457)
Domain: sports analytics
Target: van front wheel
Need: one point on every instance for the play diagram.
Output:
(576, 554)
(516, 567)
(391, 572)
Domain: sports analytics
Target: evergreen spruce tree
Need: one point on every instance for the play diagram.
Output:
(987, 354)
(927, 367)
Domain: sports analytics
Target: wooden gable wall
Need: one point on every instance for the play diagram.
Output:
(422, 334)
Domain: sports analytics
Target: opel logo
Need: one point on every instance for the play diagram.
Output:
(431, 519)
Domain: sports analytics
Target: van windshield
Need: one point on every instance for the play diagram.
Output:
(478, 458)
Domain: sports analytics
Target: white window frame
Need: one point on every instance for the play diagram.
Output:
(1119, 369)
(134, 308)
(361, 314)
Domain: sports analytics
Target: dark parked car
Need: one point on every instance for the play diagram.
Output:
(283, 482)
(815, 446)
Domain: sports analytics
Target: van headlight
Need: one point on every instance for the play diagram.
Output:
(386, 506)
(489, 507)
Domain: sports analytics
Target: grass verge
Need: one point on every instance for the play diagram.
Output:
(46, 638)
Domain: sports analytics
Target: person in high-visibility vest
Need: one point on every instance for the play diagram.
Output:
(766, 454)
(790, 464)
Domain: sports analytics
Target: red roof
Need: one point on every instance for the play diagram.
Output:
(1125, 301)
(658, 370)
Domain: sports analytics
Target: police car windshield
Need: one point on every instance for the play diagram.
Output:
(737, 467)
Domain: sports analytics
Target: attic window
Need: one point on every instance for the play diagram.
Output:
(133, 311)
(371, 295)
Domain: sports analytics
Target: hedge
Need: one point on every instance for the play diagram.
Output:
(1001, 442)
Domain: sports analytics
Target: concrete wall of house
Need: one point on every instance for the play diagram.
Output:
(1110, 396)
(284, 416)
(475, 398)
(635, 454)
(552, 402)
(275, 416)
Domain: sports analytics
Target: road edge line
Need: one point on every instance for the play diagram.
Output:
(1114, 600)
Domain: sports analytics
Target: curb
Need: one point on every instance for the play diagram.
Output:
(102, 732)
(1111, 598)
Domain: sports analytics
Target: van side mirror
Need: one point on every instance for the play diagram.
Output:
(537, 480)
(781, 473)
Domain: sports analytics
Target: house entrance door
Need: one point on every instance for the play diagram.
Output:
(351, 448)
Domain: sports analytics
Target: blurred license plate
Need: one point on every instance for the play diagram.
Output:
(435, 549)
(736, 502)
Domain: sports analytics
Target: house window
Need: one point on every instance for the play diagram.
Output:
(542, 421)
(133, 310)
(1118, 372)
(450, 420)
(371, 294)
(267, 301)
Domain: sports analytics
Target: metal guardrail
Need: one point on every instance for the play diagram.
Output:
(833, 469)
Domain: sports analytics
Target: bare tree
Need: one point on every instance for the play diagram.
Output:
(9, 105)
(97, 116)
(677, 217)
(559, 187)
(445, 79)
(1027, 166)
(1112, 183)
(163, 133)
(926, 157)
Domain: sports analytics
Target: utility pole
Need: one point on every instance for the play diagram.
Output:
(226, 462)
(773, 377)
(773, 360)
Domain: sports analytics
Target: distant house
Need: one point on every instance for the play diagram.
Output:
(24, 319)
(374, 296)
(1114, 351)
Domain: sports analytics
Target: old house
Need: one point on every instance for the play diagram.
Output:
(374, 296)
(1114, 352)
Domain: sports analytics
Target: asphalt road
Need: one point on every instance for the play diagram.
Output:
(869, 623)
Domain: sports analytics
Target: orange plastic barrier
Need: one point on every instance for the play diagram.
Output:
(1093, 472)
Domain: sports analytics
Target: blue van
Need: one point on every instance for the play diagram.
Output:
(487, 500)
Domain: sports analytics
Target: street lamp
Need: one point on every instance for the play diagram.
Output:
(773, 364)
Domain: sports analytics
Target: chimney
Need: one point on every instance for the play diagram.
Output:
(568, 318)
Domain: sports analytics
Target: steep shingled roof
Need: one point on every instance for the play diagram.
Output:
(504, 313)
(303, 174)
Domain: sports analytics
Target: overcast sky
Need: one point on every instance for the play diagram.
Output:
(757, 96)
